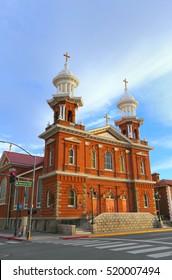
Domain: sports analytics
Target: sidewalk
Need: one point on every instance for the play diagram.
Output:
(44, 236)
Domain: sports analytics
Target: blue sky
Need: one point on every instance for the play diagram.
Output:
(108, 40)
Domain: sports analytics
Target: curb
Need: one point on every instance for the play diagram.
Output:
(74, 237)
(11, 238)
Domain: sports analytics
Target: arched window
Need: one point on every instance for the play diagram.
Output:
(71, 156)
(71, 198)
(108, 161)
(3, 189)
(142, 170)
(93, 159)
(146, 201)
(39, 193)
(122, 163)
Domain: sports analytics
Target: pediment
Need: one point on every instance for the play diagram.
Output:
(109, 132)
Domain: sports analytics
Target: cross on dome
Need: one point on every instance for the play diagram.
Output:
(67, 57)
(126, 82)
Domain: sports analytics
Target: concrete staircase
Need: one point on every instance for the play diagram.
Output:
(167, 224)
(84, 229)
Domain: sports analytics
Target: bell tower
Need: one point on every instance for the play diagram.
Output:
(64, 103)
(129, 124)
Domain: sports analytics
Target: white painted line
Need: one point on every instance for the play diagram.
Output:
(114, 244)
(102, 244)
(148, 250)
(161, 255)
(131, 247)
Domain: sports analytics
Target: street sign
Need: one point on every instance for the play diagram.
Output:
(23, 184)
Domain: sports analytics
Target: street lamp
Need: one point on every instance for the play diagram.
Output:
(33, 182)
(92, 192)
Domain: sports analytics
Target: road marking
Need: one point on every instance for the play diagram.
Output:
(130, 247)
(148, 250)
(2, 243)
(101, 244)
(120, 244)
(161, 255)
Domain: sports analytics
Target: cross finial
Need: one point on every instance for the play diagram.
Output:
(126, 82)
(107, 118)
(10, 147)
(67, 56)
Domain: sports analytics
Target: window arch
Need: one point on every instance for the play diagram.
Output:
(71, 198)
(146, 201)
(122, 163)
(93, 159)
(108, 160)
(3, 189)
(71, 156)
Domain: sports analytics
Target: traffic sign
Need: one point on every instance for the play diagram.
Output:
(23, 184)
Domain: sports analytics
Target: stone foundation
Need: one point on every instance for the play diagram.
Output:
(112, 222)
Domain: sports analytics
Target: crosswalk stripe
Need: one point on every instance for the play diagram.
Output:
(148, 250)
(101, 244)
(80, 243)
(116, 244)
(2, 243)
(161, 255)
(130, 247)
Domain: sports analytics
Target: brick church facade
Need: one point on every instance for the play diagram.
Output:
(83, 172)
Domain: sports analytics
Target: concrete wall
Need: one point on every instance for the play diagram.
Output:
(111, 222)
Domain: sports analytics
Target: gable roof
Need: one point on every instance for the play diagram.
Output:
(164, 182)
(20, 159)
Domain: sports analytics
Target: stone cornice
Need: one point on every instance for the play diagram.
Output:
(89, 135)
(93, 177)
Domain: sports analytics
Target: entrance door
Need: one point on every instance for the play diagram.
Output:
(110, 205)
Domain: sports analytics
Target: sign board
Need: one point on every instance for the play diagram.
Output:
(23, 184)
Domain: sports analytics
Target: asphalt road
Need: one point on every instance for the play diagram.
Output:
(154, 246)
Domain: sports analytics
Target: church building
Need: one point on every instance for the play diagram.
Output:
(83, 172)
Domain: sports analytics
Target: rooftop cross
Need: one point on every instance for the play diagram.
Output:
(67, 56)
(126, 82)
(107, 118)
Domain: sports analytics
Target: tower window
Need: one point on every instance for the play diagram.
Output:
(69, 118)
(93, 159)
(71, 156)
(142, 170)
(3, 187)
(122, 163)
(108, 160)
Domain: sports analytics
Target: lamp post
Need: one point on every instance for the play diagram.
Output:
(157, 199)
(33, 182)
(92, 191)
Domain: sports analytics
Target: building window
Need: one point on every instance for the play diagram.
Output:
(142, 170)
(48, 198)
(51, 157)
(93, 159)
(146, 201)
(71, 156)
(108, 161)
(71, 198)
(3, 188)
(39, 193)
(26, 197)
(122, 163)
